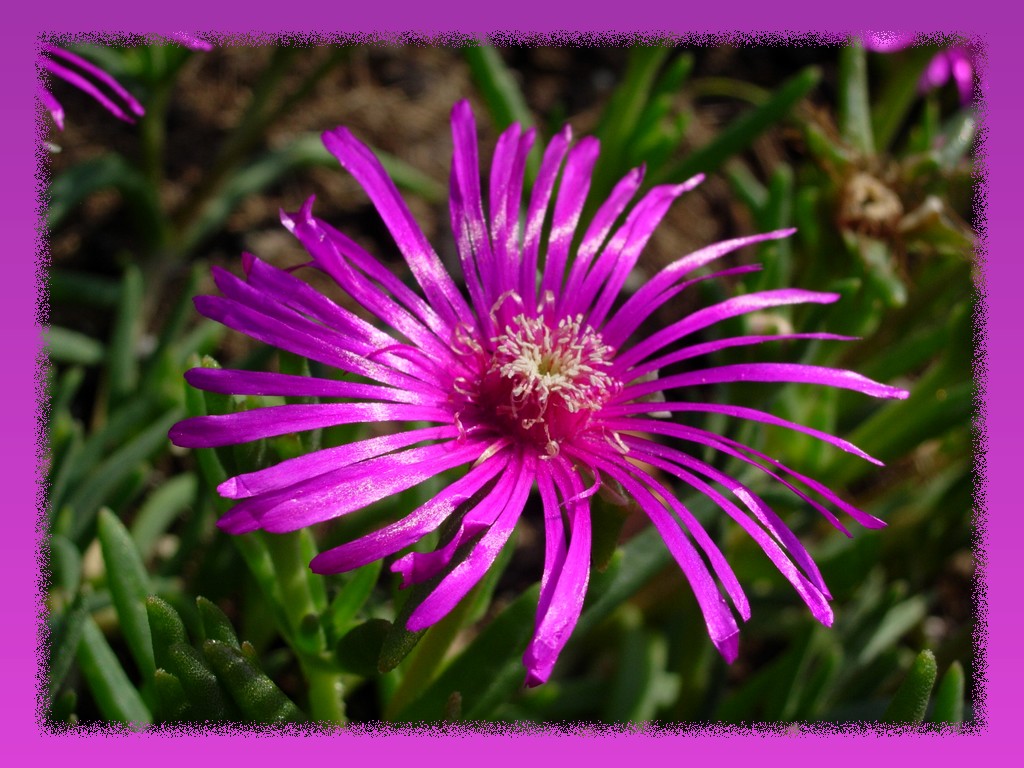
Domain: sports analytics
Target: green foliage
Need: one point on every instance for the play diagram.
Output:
(217, 683)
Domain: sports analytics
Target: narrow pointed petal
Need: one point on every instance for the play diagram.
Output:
(233, 382)
(652, 210)
(410, 529)
(558, 618)
(734, 307)
(103, 77)
(86, 86)
(815, 595)
(536, 212)
(736, 411)
(52, 105)
(598, 230)
(275, 420)
(721, 625)
(710, 347)
(647, 296)
(346, 490)
(767, 372)
(317, 463)
(464, 576)
(417, 567)
(426, 267)
(572, 194)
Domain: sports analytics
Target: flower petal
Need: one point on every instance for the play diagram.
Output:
(647, 298)
(572, 194)
(537, 211)
(291, 471)
(102, 76)
(424, 263)
(464, 576)
(345, 490)
(410, 529)
(702, 318)
(228, 381)
(275, 420)
(557, 617)
(764, 372)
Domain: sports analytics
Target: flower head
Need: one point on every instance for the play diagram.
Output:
(956, 62)
(88, 78)
(535, 381)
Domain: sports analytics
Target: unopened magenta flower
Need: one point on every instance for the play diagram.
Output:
(89, 78)
(535, 378)
(955, 63)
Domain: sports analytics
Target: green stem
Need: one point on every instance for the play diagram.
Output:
(326, 692)
(430, 653)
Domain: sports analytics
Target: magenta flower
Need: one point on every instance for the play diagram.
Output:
(89, 78)
(953, 63)
(956, 63)
(537, 380)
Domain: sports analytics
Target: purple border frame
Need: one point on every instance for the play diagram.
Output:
(21, 316)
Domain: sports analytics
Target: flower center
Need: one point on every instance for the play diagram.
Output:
(544, 382)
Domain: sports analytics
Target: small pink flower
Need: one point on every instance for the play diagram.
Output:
(955, 62)
(538, 380)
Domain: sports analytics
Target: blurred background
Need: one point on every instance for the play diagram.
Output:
(845, 144)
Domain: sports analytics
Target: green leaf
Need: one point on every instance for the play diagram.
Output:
(608, 522)
(254, 693)
(352, 597)
(172, 703)
(898, 93)
(129, 586)
(638, 561)
(207, 700)
(72, 348)
(85, 178)
(119, 466)
(301, 590)
(65, 565)
(71, 287)
(498, 87)
(359, 650)
(742, 132)
(122, 370)
(623, 113)
(161, 509)
(642, 681)
(956, 139)
(854, 105)
(64, 641)
(117, 699)
(166, 629)
(899, 620)
(949, 699)
(216, 625)
(911, 700)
